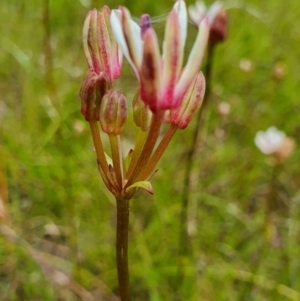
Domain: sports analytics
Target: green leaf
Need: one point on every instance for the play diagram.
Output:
(142, 184)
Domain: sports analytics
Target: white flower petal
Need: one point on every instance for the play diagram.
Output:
(132, 35)
(116, 25)
(201, 7)
(213, 11)
(197, 12)
(269, 141)
(180, 8)
(195, 59)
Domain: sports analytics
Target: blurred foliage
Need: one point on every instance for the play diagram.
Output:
(60, 210)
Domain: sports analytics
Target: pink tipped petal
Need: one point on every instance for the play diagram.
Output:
(181, 11)
(173, 55)
(104, 47)
(132, 35)
(85, 34)
(115, 54)
(150, 70)
(93, 42)
(194, 60)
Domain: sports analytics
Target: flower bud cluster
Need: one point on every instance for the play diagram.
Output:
(168, 92)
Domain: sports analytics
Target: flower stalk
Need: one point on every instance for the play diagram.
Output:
(167, 93)
(149, 168)
(148, 147)
(94, 127)
(122, 247)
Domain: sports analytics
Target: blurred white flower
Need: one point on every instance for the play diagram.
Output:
(216, 16)
(270, 141)
(199, 10)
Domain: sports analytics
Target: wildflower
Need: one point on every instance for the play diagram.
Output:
(163, 82)
(269, 141)
(274, 142)
(217, 19)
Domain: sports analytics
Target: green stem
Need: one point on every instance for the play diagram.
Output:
(183, 240)
(99, 147)
(146, 172)
(116, 151)
(122, 247)
(270, 200)
(148, 146)
(140, 140)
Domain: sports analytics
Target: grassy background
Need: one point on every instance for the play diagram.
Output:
(61, 210)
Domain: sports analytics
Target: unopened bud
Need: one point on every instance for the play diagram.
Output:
(93, 88)
(113, 112)
(99, 45)
(142, 115)
(192, 100)
(218, 30)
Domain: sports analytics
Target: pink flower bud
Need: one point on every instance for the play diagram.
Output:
(94, 86)
(113, 112)
(141, 113)
(192, 100)
(99, 45)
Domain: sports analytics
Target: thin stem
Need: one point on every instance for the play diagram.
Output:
(140, 140)
(116, 151)
(158, 153)
(148, 146)
(122, 247)
(270, 200)
(98, 146)
(208, 79)
(183, 243)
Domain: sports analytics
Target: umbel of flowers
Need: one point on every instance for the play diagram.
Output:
(168, 93)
